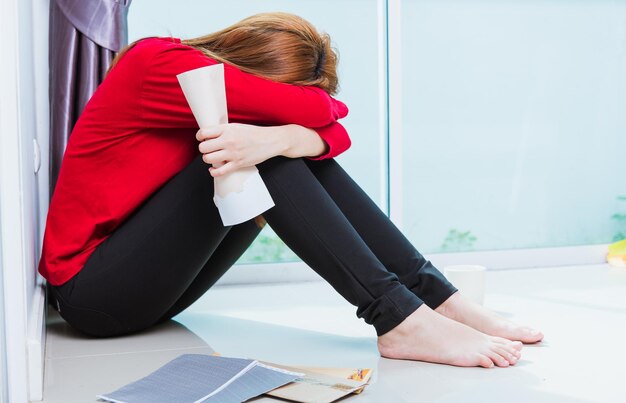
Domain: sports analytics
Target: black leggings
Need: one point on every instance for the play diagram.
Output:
(174, 248)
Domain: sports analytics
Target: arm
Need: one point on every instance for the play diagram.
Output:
(256, 100)
(336, 138)
(234, 146)
(250, 99)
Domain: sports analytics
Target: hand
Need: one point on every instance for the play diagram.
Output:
(232, 146)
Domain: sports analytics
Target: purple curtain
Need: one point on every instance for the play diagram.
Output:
(84, 37)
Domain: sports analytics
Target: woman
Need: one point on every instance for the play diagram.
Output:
(133, 237)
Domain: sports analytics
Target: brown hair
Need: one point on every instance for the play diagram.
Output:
(278, 46)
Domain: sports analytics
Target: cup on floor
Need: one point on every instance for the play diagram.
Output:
(469, 279)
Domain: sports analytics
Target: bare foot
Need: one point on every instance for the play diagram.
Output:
(426, 335)
(462, 309)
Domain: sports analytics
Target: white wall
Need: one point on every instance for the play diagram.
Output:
(40, 22)
(23, 118)
(3, 362)
(10, 210)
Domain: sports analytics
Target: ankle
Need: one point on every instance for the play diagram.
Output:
(411, 325)
(447, 307)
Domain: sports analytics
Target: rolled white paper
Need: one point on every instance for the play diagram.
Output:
(240, 195)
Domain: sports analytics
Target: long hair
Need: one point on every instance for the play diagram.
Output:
(278, 46)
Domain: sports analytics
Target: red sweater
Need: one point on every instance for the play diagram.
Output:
(137, 132)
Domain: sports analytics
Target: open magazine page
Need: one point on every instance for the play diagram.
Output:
(188, 378)
(320, 387)
(259, 378)
(194, 378)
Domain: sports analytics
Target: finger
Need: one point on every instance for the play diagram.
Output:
(209, 132)
(223, 170)
(211, 145)
(216, 157)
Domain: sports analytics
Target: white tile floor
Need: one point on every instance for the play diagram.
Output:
(582, 311)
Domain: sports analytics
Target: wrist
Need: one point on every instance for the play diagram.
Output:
(299, 141)
(280, 139)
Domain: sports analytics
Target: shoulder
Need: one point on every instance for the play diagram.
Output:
(156, 44)
(147, 48)
(164, 54)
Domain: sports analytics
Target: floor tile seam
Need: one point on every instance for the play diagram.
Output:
(127, 353)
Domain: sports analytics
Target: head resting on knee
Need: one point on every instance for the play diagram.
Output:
(279, 46)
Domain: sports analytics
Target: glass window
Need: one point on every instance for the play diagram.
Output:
(362, 76)
(511, 113)
(513, 123)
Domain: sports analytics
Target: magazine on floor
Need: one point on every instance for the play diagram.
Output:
(195, 378)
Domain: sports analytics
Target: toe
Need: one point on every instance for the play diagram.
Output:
(498, 359)
(517, 345)
(485, 361)
(512, 348)
(502, 341)
(532, 335)
(510, 357)
(508, 344)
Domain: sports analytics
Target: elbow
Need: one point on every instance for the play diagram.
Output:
(323, 111)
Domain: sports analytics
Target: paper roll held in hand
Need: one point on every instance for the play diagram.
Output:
(240, 195)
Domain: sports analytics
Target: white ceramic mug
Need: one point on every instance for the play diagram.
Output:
(469, 279)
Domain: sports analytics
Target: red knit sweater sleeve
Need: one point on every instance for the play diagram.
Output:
(250, 99)
(337, 138)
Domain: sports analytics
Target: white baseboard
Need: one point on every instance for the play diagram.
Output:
(525, 258)
(493, 260)
(268, 273)
(36, 343)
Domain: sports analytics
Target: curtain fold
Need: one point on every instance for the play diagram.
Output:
(84, 37)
